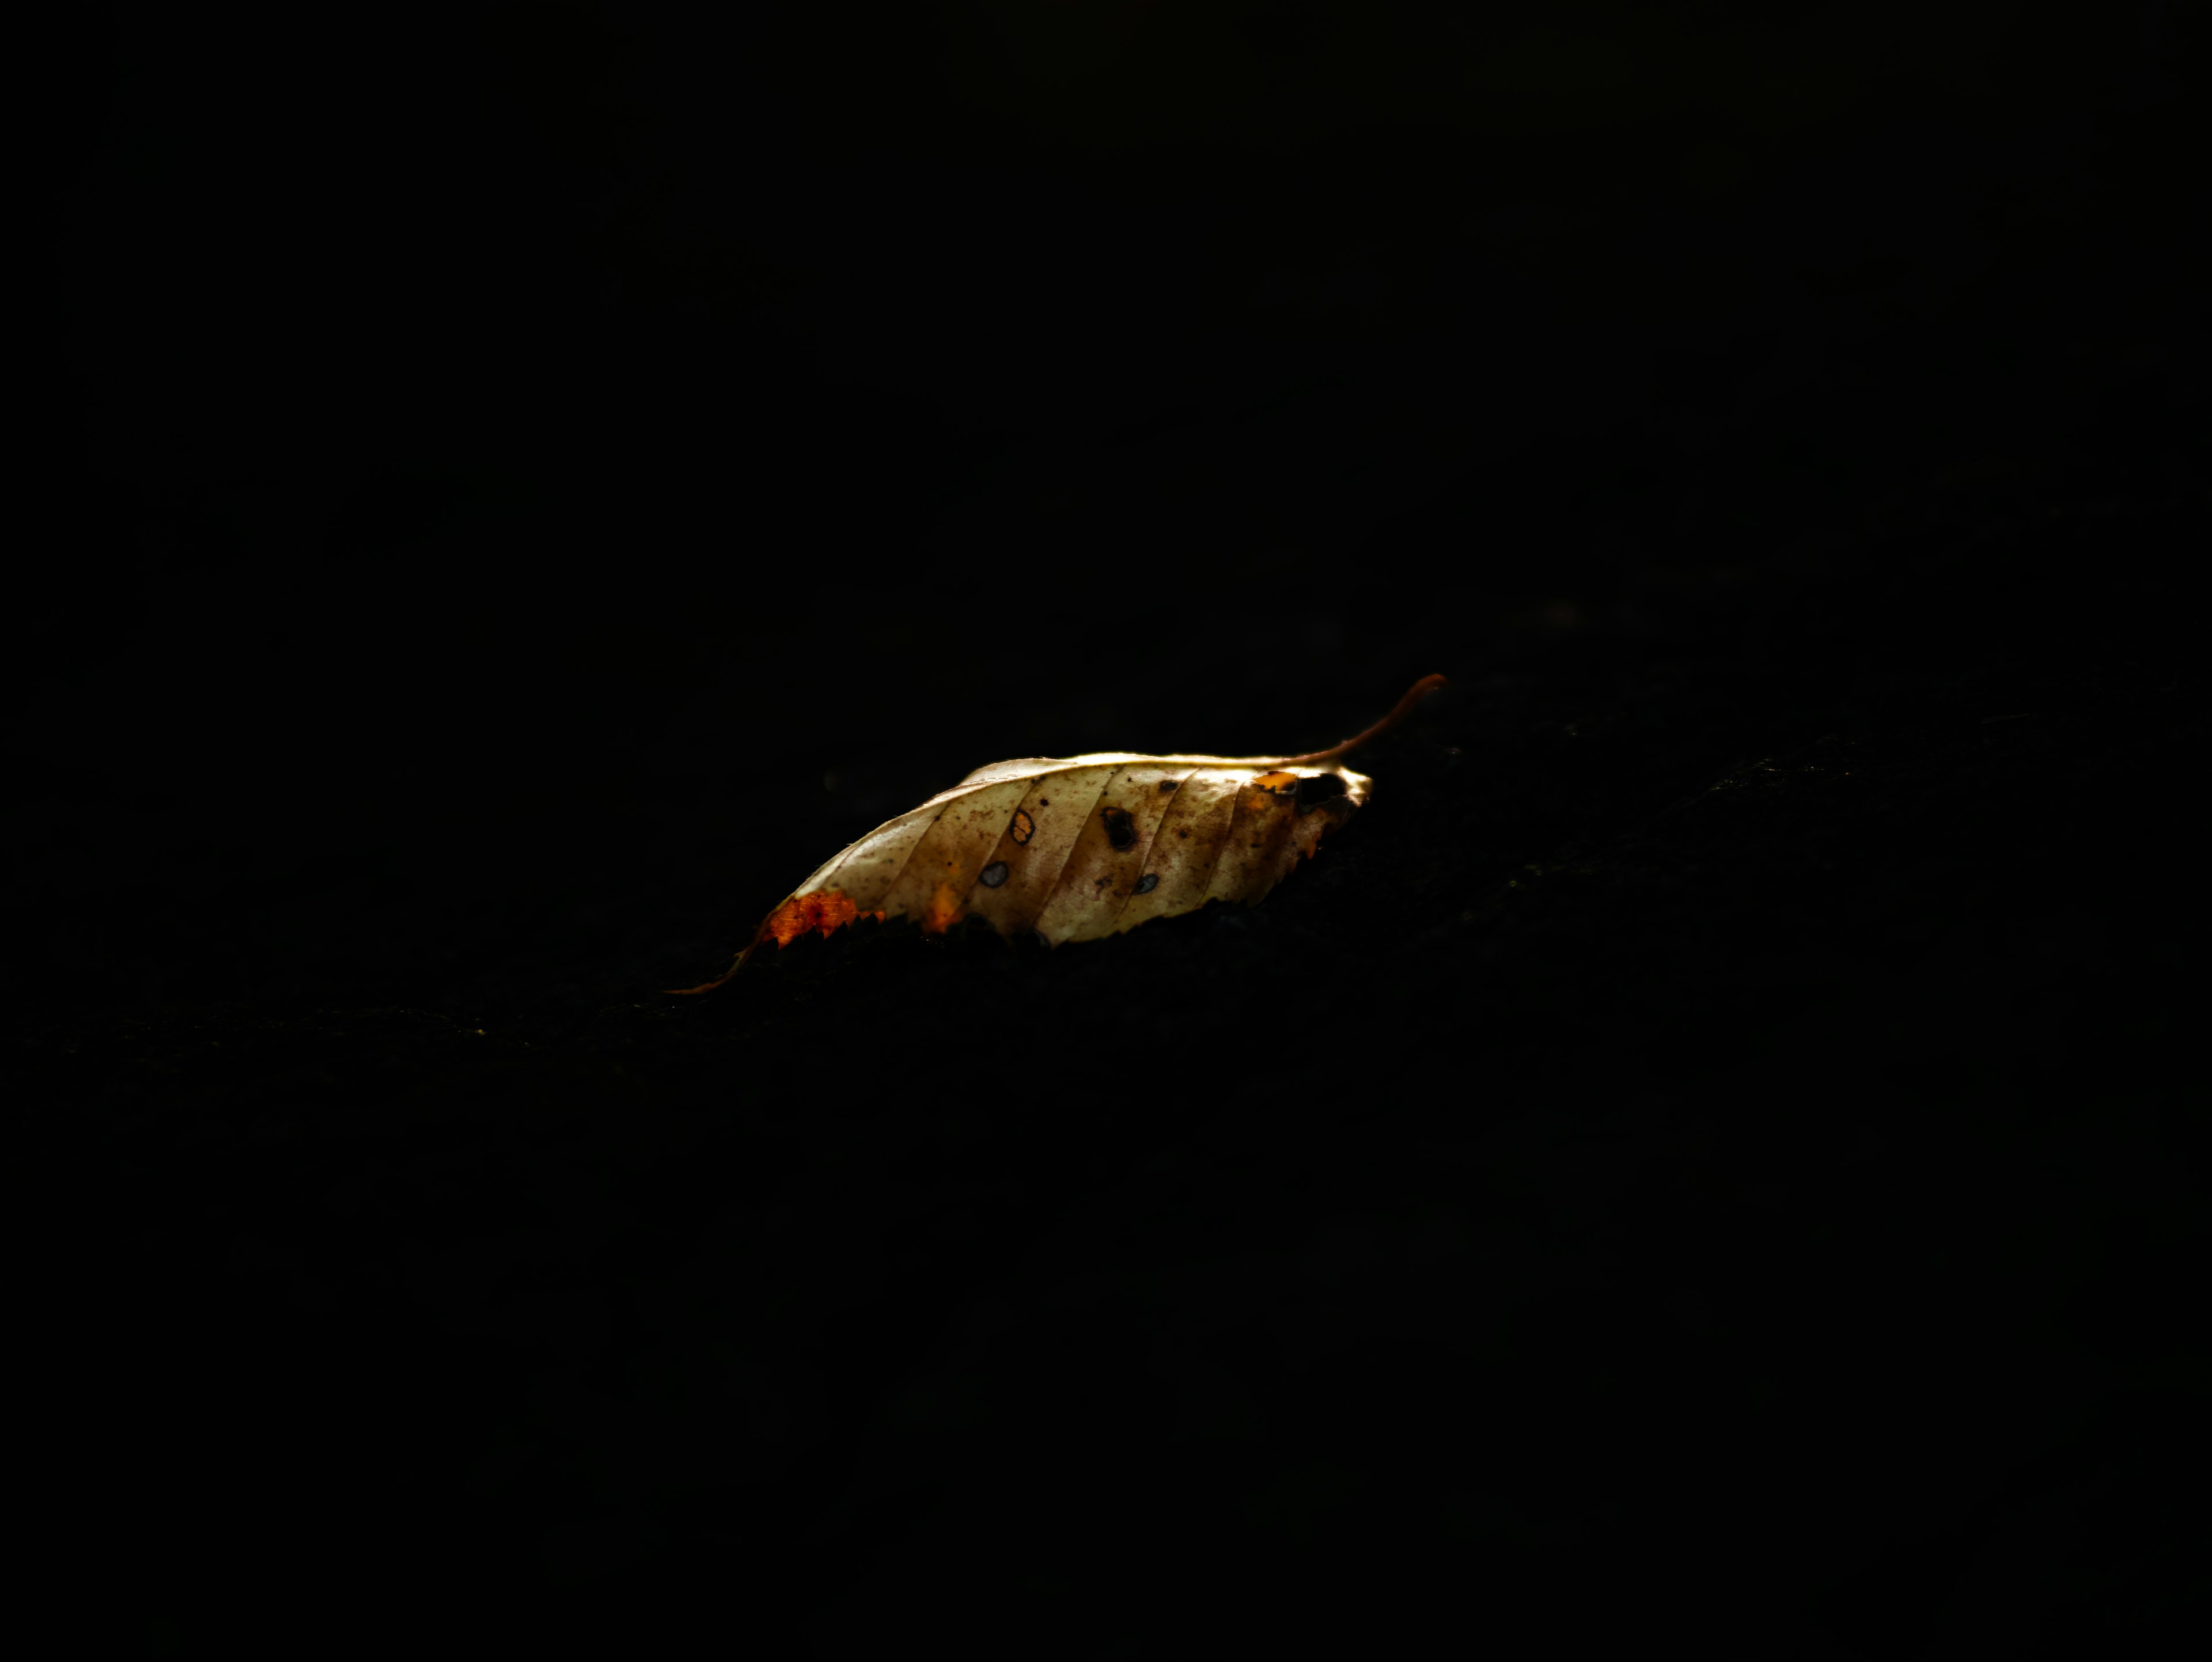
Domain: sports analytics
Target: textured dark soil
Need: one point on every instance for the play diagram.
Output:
(1711, 1149)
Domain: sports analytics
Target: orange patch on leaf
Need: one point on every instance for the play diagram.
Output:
(943, 911)
(827, 912)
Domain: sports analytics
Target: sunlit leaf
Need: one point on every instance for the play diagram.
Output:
(1077, 848)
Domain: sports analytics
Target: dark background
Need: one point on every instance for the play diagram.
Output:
(1708, 1150)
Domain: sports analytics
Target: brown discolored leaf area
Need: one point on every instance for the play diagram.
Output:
(1079, 848)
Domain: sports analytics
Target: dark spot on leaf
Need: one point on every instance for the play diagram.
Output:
(1314, 792)
(1147, 883)
(1121, 829)
(1023, 827)
(1170, 784)
(1181, 832)
(1044, 801)
(994, 874)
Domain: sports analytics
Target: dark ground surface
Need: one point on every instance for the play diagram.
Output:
(1713, 1149)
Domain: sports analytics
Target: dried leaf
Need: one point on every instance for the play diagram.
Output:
(1077, 848)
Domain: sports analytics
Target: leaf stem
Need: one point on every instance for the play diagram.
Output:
(1421, 689)
(709, 986)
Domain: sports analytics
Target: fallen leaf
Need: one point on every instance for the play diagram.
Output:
(1077, 848)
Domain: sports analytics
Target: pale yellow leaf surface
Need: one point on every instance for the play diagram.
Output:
(1079, 848)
